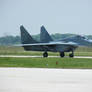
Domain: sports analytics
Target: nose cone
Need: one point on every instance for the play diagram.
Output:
(89, 43)
(85, 43)
(90, 40)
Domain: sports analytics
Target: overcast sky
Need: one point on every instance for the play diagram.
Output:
(58, 16)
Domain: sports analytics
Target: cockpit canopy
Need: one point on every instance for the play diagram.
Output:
(82, 37)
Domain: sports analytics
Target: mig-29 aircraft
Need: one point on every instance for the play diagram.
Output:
(48, 44)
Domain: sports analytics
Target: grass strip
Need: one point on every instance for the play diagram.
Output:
(72, 63)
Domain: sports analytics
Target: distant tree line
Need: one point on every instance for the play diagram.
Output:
(11, 40)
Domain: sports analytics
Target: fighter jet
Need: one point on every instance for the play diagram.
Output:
(48, 44)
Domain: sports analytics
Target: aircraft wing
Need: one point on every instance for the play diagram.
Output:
(51, 44)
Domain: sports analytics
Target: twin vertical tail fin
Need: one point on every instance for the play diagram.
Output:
(44, 35)
(26, 38)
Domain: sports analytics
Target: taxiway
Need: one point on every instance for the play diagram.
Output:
(25, 56)
(45, 80)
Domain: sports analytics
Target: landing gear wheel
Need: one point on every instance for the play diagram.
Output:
(62, 54)
(71, 55)
(45, 54)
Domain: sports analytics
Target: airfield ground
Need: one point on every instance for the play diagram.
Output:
(44, 62)
(37, 74)
(39, 62)
(74, 63)
(45, 80)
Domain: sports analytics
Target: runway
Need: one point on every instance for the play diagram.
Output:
(45, 80)
(25, 56)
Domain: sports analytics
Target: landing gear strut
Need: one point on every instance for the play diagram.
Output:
(45, 54)
(62, 54)
(72, 54)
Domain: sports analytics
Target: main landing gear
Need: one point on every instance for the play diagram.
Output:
(72, 54)
(62, 54)
(45, 54)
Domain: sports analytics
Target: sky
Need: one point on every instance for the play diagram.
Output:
(58, 16)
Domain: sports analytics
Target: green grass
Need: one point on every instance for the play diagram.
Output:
(42, 62)
(6, 50)
(78, 63)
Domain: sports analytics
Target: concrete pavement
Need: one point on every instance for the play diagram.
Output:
(25, 56)
(45, 80)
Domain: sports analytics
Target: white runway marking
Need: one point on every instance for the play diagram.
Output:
(45, 80)
(21, 56)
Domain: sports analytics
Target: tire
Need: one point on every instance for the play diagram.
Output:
(71, 55)
(62, 54)
(45, 54)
